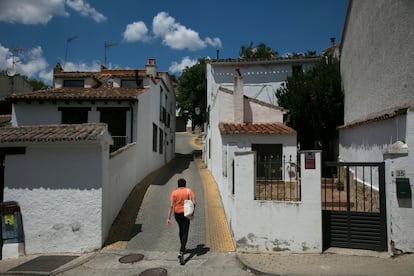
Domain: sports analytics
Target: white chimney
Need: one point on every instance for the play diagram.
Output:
(151, 67)
(238, 105)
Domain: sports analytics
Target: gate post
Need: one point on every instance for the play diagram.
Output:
(311, 188)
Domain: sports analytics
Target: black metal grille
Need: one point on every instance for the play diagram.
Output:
(278, 179)
(353, 204)
(119, 142)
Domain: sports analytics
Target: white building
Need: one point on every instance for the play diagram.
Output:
(243, 117)
(377, 68)
(75, 152)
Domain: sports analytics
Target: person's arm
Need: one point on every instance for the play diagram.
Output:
(170, 210)
(193, 197)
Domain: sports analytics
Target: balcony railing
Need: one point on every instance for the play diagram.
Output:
(119, 142)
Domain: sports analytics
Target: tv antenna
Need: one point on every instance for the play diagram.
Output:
(11, 72)
(69, 40)
(107, 45)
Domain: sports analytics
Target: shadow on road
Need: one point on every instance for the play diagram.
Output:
(179, 164)
(200, 250)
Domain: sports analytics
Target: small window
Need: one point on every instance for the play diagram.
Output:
(74, 115)
(296, 69)
(161, 141)
(73, 83)
(132, 83)
(154, 137)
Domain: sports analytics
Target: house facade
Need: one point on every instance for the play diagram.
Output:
(82, 146)
(245, 129)
(377, 66)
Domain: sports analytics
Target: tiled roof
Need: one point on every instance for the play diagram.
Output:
(52, 133)
(381, 116)
(5, 120)
(263, 128)
(71, 93)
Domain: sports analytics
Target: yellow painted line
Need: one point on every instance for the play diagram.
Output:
(218, 234)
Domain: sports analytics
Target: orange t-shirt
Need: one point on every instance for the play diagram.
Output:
(178, 196)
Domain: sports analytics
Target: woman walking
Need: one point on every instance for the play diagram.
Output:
(177, 205)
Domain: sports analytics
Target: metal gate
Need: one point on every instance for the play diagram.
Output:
(353, 206)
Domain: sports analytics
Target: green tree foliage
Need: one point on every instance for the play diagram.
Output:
(260, 51)
(315, 100)
(192, 89)
(36, 84)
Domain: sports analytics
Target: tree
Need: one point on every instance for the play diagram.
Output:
(36, 84)
(260, 51)
(191, 96)
(315, 100)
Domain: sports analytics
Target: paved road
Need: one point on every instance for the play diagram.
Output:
(151, 232)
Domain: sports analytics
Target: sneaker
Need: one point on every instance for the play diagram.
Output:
(181, 258)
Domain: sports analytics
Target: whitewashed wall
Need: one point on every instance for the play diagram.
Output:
(400, 215)
(261, 78)
(233, 144)
(122, 178)
(377, 57)
(60, 195)
(274, 226)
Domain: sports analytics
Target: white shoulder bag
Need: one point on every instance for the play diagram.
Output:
(188, 206)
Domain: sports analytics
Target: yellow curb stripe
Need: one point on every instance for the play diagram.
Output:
(218, 234)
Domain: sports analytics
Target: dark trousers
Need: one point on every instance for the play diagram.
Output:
(184, 226)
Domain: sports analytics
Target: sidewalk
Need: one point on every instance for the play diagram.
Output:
(106, 262)
(344, 262)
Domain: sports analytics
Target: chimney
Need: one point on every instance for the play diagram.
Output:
(238, 96)
(332, 41)
(151, 67)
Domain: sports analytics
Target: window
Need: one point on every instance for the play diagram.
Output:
(73, 83)
(154, 137)
(132, 83)
(115, 118)
(74, 115)
(296, 69)
(161, 141)
(269, 161)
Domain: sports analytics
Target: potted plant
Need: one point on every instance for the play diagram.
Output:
(340, 184)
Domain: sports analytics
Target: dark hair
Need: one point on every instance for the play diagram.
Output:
(181, 182)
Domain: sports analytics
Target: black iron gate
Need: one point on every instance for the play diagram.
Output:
(353, 206)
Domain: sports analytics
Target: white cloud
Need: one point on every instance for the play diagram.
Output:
(85, 9)
(30, 63)
(214, 42)
(177, 36)
(179, 67)
(33, 12)
(136, 31)
(82, 66)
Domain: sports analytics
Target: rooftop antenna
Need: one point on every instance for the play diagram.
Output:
(69, 40)
(11, 72)
(107, 45)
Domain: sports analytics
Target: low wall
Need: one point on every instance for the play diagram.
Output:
(273, 226)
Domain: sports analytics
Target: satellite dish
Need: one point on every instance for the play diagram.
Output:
(11, 72)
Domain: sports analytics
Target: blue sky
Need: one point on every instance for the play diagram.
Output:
(174, 32)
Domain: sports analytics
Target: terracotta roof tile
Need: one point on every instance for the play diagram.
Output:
(52, 133)
(264, 128)
(72, 93)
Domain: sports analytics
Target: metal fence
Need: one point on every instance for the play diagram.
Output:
(278, 179)
(352, 187)
(119, 142)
